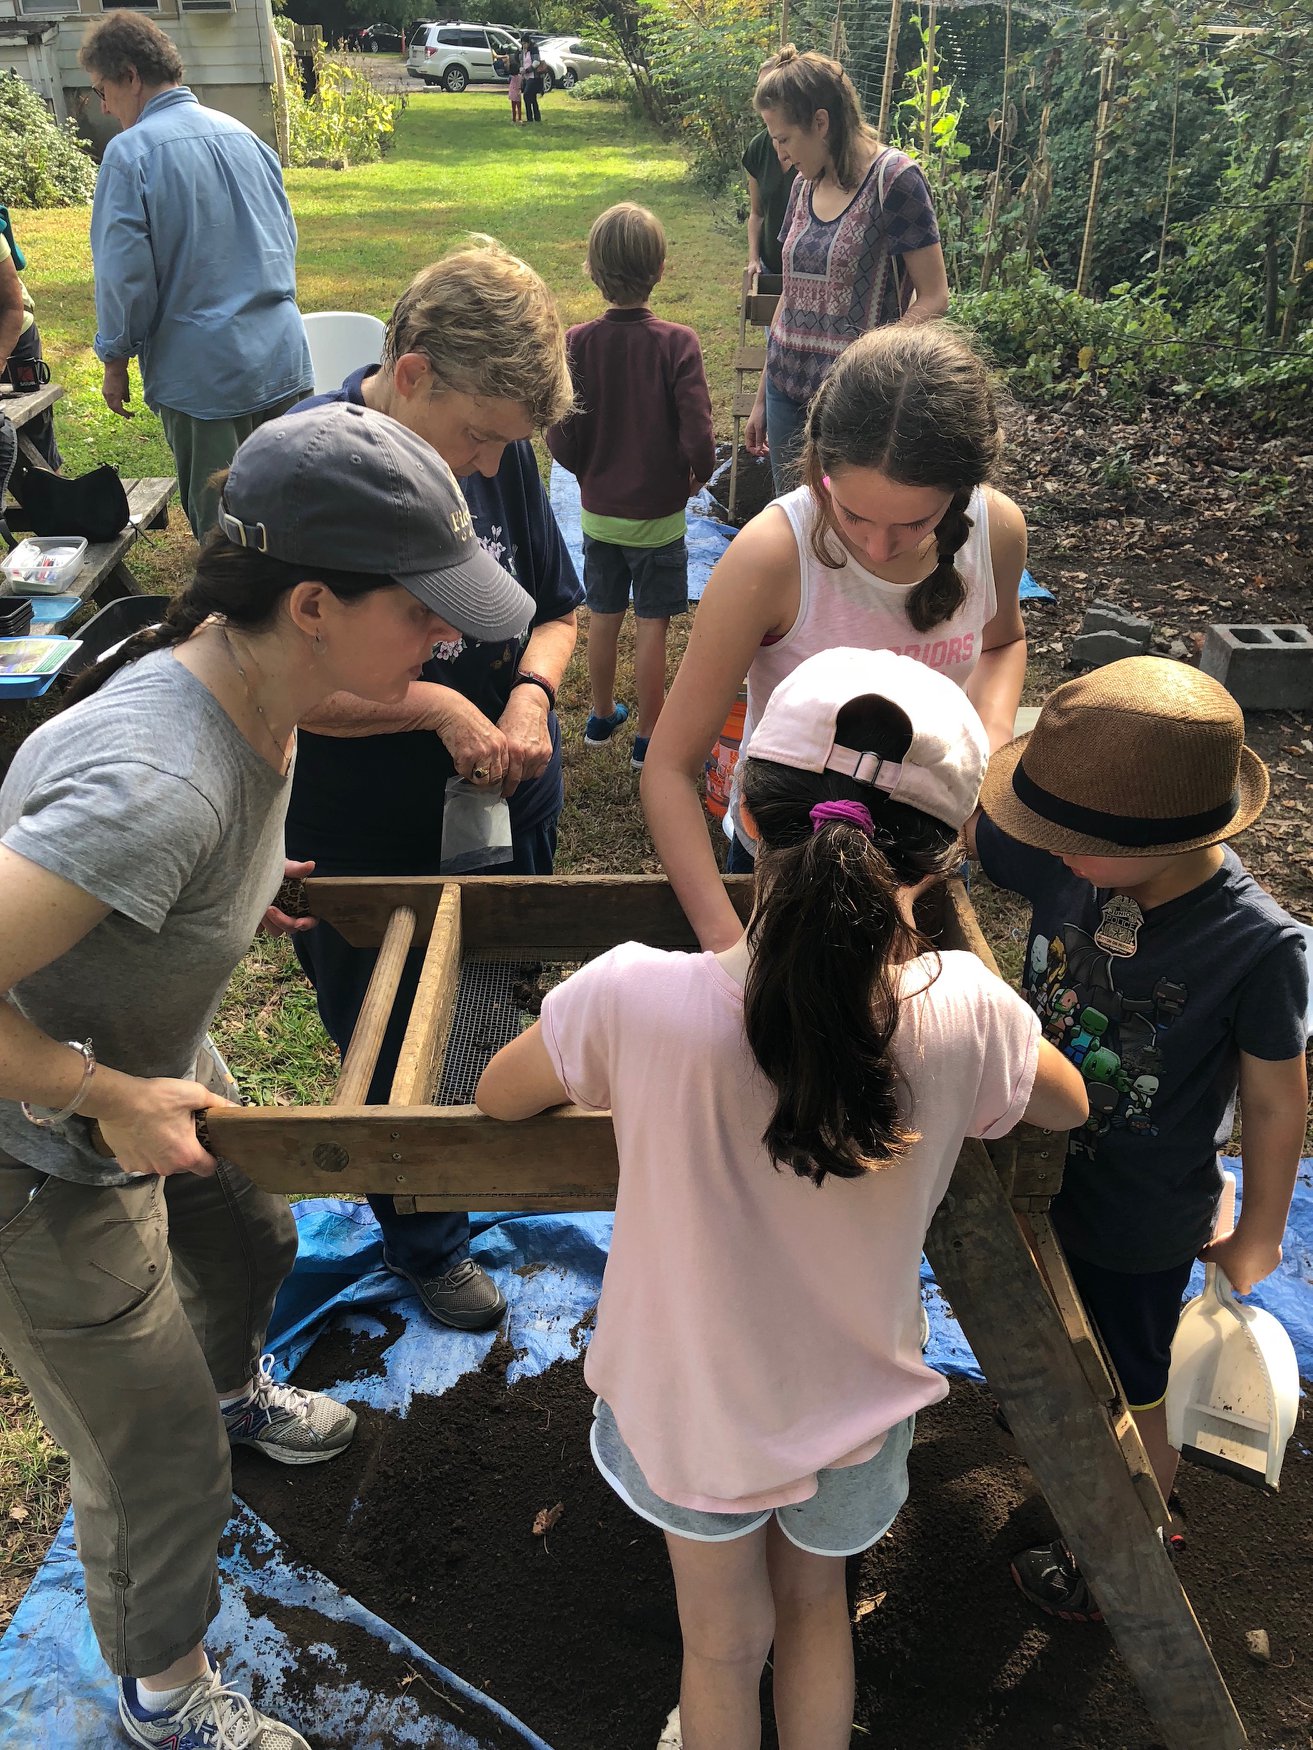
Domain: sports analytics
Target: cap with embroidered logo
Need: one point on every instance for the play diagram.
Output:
(350, 489)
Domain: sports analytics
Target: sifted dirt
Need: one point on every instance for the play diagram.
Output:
(428, 1520)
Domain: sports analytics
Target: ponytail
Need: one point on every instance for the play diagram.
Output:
(827, 939)
(239, 585)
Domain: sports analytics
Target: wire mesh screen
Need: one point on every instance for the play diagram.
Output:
(495, 1001)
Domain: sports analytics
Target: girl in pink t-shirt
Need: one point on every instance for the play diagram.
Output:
(787, 1115)
(896, 541)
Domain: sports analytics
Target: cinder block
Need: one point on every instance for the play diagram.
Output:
(1093, 649)
(1264, 668)
(1108, 617)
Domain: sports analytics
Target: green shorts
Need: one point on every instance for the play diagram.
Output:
(852, 1508)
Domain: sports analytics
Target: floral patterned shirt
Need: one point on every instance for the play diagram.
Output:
(843, 276)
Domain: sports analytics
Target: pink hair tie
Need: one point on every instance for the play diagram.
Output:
(851, 813)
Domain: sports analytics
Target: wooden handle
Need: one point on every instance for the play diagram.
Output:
(432, 1009)
(376, 1011)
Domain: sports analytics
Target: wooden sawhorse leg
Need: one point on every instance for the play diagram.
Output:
(1078, 1454)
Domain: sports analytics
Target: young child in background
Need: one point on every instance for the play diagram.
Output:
(515, 89)
(1158, 965)
(641, 442)
(787, 1114)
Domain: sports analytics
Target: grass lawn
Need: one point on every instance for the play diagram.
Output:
(458, 167)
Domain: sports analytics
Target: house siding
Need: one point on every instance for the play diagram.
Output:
(228, 59)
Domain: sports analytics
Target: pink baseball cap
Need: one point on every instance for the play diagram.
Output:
(942, 770)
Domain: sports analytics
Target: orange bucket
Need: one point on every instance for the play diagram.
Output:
(724, 758)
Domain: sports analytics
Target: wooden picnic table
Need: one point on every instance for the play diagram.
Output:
(104, 575)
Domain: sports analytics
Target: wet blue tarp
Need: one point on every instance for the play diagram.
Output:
(54, 1691)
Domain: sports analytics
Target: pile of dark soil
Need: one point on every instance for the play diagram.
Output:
(429, 1521)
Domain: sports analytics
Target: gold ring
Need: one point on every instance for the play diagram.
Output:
(480, 774)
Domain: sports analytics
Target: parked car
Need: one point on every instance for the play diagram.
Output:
(376, 39)
(455, 54)
(569, 59)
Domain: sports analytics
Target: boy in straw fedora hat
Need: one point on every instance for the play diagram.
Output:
(1161, 968)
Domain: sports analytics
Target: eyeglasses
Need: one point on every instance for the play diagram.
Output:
(99, 91)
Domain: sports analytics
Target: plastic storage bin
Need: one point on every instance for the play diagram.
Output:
(28, 666)
(111, 625)
(44, 564)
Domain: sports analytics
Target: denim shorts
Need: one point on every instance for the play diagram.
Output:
(658, 576)
(1136, 1316)
(852, 1508)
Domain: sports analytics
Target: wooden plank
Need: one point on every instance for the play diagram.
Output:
(760, 308)
(744, 402)
(750, 358)
(984, 1268)
(432, 1009)
(547, 916)
(376, 1011)
(20, 409)
(148, 497)
(561, 1159)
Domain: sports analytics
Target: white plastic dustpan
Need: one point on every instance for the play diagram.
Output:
(1233, 1390)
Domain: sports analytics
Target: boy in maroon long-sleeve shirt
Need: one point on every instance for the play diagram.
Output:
(640, 443)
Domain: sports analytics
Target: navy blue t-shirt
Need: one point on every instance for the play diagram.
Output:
(1157, 1035)
(372, 804)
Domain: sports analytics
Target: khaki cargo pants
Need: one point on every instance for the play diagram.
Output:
(125, 1309)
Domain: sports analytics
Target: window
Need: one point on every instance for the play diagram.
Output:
(471, 39)
(47, 8)
(448, 36)
(129, 5)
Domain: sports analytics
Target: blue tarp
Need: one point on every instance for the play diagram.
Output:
(54, 1690)
(707, 539)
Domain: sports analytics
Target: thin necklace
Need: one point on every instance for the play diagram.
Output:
(284, 761)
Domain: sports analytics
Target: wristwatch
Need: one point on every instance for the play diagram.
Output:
(526, 677)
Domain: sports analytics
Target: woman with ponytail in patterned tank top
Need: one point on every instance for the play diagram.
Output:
(896, 541)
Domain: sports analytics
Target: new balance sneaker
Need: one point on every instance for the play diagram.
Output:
(289, 1425)
(638, 753)
(465, 1296)
(599, 730)
(1049, 1577)
(210, 1717)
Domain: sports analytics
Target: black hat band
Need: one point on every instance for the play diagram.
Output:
(1121, 829)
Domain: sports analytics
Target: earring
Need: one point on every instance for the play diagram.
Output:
(319, 645)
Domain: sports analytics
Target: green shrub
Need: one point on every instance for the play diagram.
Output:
(1051, 342)
(347, 121)
(43, 163)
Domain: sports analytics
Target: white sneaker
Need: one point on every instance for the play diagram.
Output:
(288, 1424)
(210, 1717)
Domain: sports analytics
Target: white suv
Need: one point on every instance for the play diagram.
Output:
(455, 55)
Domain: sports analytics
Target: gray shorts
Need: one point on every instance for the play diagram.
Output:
(852, 1508)
(657, 575)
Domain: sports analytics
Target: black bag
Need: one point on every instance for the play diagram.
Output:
(93, 505)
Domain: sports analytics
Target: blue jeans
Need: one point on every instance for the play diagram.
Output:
(785, 420)
(431, 1243)
(741, 860)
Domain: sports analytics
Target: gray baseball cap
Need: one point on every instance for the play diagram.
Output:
(353, 490)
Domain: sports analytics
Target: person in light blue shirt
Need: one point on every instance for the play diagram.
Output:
(194, 248)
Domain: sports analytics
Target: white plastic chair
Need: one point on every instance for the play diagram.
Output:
(340, 342)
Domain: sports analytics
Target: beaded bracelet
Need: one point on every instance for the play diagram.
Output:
(88, 1070)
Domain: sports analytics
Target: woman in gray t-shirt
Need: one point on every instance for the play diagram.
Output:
(141, 837)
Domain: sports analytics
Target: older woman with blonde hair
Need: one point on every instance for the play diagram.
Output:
(474, 363)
